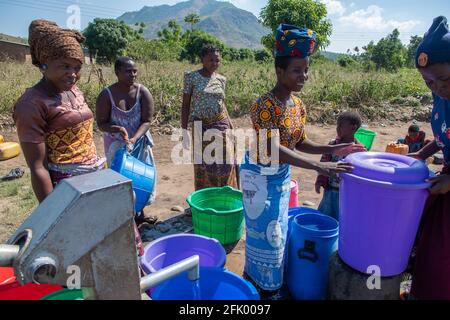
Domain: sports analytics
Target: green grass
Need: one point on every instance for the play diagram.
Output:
(17, 202)
(330, 87)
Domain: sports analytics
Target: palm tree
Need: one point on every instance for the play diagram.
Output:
(193, 19)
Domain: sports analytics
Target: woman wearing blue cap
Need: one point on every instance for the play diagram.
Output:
(431, 274)
(278, 118)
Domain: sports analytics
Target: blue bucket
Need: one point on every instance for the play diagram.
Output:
(214, 284)
(142, 176)
(313, 238)
(291, 215)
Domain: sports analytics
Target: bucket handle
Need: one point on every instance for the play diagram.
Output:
(308, 252)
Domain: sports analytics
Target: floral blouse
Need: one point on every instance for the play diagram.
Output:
(207, 94)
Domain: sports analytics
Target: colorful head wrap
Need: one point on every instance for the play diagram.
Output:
(49, 42)
(292, 41)
(435, 46)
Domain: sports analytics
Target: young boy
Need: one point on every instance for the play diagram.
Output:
(347, 125)
(415, 139)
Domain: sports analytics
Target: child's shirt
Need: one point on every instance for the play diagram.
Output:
(417, 143)
(333, 181)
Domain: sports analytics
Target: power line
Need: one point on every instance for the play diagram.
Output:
(52, 8)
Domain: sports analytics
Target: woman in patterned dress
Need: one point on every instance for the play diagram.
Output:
(204, 104)
(279, 120)
(53, 120)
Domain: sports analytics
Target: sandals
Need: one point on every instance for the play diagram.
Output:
(15, 173)
(143, 219)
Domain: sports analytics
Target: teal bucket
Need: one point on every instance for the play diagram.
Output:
(313, 238)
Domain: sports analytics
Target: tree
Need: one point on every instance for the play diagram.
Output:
(194, 40)
(411, 50)
(263, 55)
(302, 13)
(148, 50)
(192, 19)
(389, 53)
(108, 38)
(172, 34)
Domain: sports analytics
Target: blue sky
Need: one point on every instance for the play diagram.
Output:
(355, 22)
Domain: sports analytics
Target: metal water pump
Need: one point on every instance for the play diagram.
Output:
(86, 224)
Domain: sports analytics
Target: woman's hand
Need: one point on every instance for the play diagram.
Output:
(344, 149)
(440, 184)
(123, 132)
(331, 168)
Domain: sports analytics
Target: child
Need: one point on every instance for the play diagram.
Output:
(124, 112)
(415, 139)
(347, 124)
(431, 274)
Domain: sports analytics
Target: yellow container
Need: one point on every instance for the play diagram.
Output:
(9, 150)
(1, 139)
(398, 148)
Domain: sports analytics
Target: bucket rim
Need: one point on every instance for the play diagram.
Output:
(327, 233)
(254, 293)
(213, 211)
(386, 184)
(151, 269)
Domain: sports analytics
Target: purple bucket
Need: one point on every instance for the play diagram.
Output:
(168, 250)
(381, 204)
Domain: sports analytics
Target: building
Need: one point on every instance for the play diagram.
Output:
(21, 52)
(14, 50)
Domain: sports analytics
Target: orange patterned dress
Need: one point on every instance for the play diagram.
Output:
(287, 122)
(65, 128)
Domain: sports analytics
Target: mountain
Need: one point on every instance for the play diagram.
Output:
(235, 27)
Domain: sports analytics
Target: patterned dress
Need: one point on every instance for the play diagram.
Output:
(208, 107)
(65, 128)
(266, 190)
(431, 274)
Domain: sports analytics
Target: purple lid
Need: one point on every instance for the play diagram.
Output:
(388, 167)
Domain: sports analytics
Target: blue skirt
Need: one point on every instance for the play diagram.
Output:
(266, 192)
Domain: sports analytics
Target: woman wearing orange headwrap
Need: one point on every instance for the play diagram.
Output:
(53, 120)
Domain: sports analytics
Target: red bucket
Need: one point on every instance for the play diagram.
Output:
(10, 289)
(293, 200)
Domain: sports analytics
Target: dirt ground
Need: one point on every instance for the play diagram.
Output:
(175, 182)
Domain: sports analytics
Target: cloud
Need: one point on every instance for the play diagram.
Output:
(334, 7)
(372, 19)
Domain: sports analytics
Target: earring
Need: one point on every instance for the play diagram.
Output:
(44, 67)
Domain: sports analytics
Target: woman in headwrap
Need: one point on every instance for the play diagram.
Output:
(53, 120)
(204, 103)
(431, 273)
(279, 117)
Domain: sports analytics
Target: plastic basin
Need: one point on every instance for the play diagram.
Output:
(214, 284)
(218, 213)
